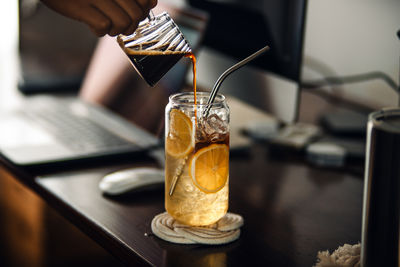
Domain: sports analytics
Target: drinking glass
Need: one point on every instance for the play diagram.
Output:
(197, 158)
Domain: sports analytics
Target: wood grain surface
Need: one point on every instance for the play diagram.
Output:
(291, 211)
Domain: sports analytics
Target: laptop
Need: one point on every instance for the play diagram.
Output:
(57, 129)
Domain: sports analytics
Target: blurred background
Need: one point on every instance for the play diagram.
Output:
(341, 38)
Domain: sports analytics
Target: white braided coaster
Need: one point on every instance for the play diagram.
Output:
(226, 230)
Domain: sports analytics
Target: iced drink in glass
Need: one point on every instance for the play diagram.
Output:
(197, 158)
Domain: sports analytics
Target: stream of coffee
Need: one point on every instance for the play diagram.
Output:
(193, 59)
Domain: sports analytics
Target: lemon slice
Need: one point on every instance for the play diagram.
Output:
(209, 168)
(179, 141)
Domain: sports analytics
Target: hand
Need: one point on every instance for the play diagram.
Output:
(105, 16)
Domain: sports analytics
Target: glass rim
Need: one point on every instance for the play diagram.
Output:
(178, 98)
(380, 119)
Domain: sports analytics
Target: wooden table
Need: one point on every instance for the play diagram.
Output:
(291, 211)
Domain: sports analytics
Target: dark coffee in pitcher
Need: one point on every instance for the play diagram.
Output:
(153, 65)
(155, 47)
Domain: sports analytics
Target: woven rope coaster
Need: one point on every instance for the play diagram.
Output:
(226, 230)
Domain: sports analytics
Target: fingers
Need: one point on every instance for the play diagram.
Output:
(135, 12)
(97, 21)
(147, 4)
(124, 15)
(120, 19)
(105, 16)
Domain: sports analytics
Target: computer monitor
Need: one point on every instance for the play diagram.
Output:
(238, 28)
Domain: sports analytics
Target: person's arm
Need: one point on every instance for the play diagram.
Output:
(111, 81)
(105, 16)
(107, 72)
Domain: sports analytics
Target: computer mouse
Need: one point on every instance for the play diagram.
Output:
(128, 180)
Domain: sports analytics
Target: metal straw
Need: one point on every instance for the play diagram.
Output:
(229, 71)
(178, 173)
(213, 94)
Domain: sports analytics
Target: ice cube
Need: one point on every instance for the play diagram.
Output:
(201, 136)
(214, 124)
(212, 128)
(215, 137)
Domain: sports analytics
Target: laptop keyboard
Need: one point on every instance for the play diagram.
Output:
(77, 132)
